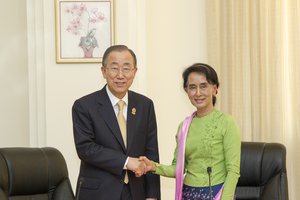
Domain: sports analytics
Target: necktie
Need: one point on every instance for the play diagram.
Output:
(121, 120)
(122, 125)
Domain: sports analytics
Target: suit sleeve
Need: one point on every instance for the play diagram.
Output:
(152, 180)
(88, 151)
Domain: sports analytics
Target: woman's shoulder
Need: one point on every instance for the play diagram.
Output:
(224, 117)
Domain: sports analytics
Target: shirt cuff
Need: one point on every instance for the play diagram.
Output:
(125, 165)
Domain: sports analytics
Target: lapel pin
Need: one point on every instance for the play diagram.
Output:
(133, 111)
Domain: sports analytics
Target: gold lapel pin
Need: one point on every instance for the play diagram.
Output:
(133, 111)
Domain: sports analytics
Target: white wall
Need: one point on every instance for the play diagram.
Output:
(175, 40)
(14, 107)
(166, 36)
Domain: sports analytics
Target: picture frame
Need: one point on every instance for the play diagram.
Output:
(84, 30)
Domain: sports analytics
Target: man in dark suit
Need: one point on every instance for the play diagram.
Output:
(109, 163)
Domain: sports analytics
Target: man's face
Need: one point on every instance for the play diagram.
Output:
(119, 72)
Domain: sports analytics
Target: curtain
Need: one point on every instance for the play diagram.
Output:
(255, 47)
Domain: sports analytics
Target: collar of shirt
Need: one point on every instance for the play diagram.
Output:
(114, 101)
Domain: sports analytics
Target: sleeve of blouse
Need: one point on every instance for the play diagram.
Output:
(232, 151)
(169, 170)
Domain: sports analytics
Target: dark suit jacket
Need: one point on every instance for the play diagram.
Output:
(100, 146)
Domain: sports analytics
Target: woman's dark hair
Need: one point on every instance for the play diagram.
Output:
(206, 70)
(118, 48)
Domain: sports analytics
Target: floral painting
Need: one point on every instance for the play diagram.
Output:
(84, 29)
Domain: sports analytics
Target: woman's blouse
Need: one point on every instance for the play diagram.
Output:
(212, 141)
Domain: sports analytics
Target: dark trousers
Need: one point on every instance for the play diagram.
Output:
(126, 193)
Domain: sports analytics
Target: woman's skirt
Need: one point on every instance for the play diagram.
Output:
(200, 193)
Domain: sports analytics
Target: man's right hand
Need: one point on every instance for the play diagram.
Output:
(136, 166)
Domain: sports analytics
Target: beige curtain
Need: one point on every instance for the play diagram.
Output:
(255, 47)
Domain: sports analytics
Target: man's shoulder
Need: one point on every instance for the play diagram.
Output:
(138, 96)
(90, 95)
(90, 98)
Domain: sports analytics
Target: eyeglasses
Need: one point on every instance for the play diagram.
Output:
(124, 70)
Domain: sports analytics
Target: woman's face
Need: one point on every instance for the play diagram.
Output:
(200, 92)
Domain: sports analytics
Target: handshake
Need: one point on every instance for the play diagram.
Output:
(140, 166)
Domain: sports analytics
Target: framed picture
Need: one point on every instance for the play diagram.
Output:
(84, 30)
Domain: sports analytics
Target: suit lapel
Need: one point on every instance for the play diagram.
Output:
(107, 112)
(131, 120)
